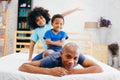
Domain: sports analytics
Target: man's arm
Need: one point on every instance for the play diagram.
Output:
(34, 67)
(89, 67)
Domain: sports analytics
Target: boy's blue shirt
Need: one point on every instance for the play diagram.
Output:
(55, 37)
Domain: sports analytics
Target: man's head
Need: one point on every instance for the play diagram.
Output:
(70, 55)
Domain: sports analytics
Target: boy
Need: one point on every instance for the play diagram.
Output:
(55, 38)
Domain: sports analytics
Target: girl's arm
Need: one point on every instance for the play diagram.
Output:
(69, 12)
(32, 43)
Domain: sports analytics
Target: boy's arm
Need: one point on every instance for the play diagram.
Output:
(69, 12)
(56, 43)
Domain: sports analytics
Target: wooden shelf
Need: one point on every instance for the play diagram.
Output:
(22, 34)
(20, 40)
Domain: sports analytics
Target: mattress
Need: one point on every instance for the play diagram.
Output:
(9, 70)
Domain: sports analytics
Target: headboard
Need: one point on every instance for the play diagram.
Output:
(83, 39)
(87, 46)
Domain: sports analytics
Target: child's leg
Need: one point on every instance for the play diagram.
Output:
(47, 52)
(38, 57)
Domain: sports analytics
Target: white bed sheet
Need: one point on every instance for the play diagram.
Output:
(9, 71)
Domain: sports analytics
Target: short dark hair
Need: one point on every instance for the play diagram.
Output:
(57, 16)
(37, 11)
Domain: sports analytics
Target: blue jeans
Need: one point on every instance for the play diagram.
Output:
(38, 57)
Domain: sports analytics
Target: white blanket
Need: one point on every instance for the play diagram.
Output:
(9, 71)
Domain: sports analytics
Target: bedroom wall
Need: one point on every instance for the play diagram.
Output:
(91, 10)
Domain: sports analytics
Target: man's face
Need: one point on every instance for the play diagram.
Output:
(69, 59)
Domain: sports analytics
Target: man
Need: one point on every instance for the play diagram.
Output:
(62, 63)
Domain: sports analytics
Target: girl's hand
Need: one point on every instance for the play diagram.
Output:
(78, 9)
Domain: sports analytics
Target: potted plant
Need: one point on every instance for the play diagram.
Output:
(104, 22)
(114, 49)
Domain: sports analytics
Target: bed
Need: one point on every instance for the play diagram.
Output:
(9, 71)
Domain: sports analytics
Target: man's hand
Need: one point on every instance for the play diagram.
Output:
(58, 71)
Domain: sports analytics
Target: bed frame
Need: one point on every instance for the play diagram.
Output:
(83, 39)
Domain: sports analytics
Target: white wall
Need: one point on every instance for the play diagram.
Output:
(59, 6)
(92, 11)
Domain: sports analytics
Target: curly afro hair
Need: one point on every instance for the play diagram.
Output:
(37, 11)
